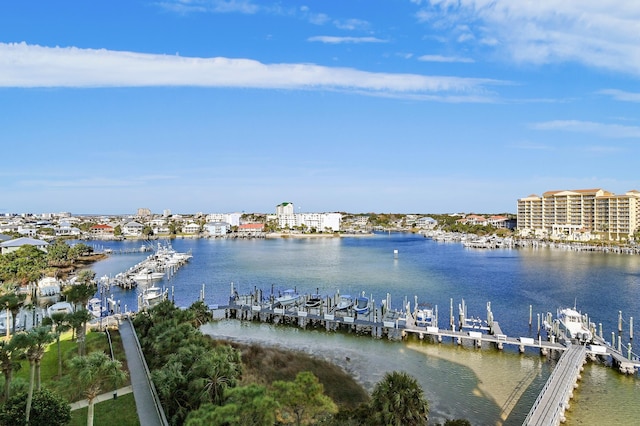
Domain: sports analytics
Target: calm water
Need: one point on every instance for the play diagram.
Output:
(487, 387)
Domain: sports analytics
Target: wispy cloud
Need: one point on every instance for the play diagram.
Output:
(440, 58)
(339, 40)
(621, 95)
(26, 66)
(213, 6)
(612, 131)
(597, 33)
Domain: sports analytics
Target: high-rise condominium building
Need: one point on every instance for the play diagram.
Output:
(581, 214)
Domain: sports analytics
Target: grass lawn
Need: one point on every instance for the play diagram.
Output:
(96, 341)
(119, 412)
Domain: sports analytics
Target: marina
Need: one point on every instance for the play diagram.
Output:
(195, 282)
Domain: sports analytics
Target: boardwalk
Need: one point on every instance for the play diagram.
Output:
(150, 411)
(548, 410)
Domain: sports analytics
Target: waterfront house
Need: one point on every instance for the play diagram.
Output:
(15, 244)
(191, 228)
(217, 229)
(133, 229)
(251, 229)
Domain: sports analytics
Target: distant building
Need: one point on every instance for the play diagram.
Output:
(102, 231)
(143, 212)
(217, 229)
(132, 229)
(582, 214)
(15, 244)
(251, 229)
(321, 222)
(191, 228)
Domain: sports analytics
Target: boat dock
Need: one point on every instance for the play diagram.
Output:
(553, 400)
(378, 322)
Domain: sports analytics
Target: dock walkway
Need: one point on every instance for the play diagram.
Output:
(150, 412)
(549, 407)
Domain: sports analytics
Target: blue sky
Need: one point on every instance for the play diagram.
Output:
(428, 106)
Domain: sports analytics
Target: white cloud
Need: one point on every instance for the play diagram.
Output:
(215, 6)
(621, 95)
(612, 131)
(598, 33)
(339, 40)
(440, 58)
(351, 24)
(26, 66)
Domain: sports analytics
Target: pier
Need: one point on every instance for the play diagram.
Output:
(380, 322)
(549, 407)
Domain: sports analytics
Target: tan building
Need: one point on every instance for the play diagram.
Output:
(582, 214)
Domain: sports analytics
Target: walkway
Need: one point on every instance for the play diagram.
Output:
(548, 410)
(148, 405)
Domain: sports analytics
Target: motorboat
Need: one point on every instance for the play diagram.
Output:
(314, 301)
(424, 317)
(361, 305)
(574, 325)
(94, 306)
(148, 275)
(344, 303)
(288, 297)
(152, 296)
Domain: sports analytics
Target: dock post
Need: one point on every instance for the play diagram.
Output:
(530, 314)
(600, 329)
(631, 328)
(619, 321)
(613, 340)
(451, 314)
(538, 315)
(620, 344)
(629, 350)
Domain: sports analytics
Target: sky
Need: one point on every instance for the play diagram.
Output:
(407, 106)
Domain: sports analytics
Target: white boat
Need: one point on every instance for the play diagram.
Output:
(288, 297)
(95, 307)
(574, 325)
(148, 275)
(60, 308)
(152, 296)
(345, 302)
(424, 317)
(362, 305)
(314, 301)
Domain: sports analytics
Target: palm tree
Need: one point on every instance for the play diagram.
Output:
(398, 400)
(77, 321)
(60, 322)
(34, 342)
(9, 352)
(93, 373)
(12, 302)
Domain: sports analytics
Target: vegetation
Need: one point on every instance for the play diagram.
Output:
(398, 400)
(48, 409)
(125, 406)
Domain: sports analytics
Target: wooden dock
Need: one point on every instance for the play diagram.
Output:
(549, 407)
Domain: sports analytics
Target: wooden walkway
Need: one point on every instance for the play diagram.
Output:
(549, 407)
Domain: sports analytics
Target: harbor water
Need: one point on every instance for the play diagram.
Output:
(485, 386)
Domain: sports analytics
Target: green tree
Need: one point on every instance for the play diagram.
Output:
(398, 400)
(22, 266)
(60, 323)
(243, 406)
(12, 302)
(79, 250)
(117, 231)
(48, 409)
(9, 354)
(147, 231)
(34, 342)
(93, 373)
(58, 253)
(78, 320)
(302, 401)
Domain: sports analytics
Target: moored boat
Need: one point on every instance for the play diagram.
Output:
(361, 305)
(314, 301)
(574, 325)
(288, 297)
(345, 302)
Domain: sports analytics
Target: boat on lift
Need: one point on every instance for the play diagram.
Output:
(574, 325)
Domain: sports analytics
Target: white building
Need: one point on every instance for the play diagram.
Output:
(217, 229)
(232, 219)
(132, 229)
(320, 222)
